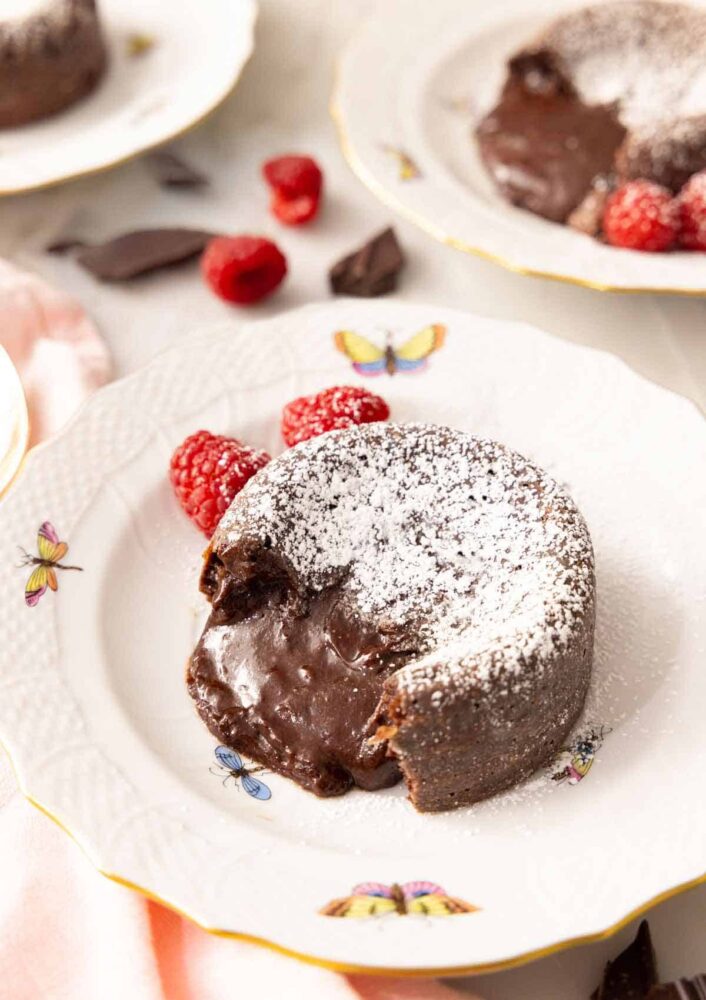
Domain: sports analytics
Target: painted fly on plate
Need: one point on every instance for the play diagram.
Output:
(231, 762)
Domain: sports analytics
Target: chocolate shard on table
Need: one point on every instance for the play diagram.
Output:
(681, 989)
(64, 245)
(141, 252)
(633, 973)
(370, 270)
(171, 171)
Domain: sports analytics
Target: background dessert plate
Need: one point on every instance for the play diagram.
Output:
(94, 709)
(157, 85)
(409, 93)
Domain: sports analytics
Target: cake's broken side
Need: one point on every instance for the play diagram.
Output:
(291, 678)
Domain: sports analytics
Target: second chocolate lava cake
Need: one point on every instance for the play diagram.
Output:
(397, 601)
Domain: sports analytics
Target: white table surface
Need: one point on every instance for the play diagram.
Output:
(281, 106)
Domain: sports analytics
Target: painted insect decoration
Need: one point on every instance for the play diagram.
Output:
(373, 899)
(231, 762)
(370, 359)
(582, 752)
(407, 169)
(43, 576)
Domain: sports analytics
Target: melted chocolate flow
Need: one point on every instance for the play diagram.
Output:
(542, 145)
(298, 689)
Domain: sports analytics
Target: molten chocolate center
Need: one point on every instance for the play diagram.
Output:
(542, 145)
(298, 688)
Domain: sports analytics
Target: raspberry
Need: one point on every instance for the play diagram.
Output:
(692, 211)
(331, 410)
(641, 215)
(294, 211)
(296, 183)
(207, 471)
(243, 269)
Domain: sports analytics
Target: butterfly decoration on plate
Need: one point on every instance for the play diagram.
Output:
(43, 576)
(231, 762)
(582, 753)
(370, 359)
(374, 899)
(406, 167)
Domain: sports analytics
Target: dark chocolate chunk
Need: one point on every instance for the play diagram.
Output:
(633, 973)
(141, 252)
(65, 245)
(171, 171)
(371, 270)
(682, 989)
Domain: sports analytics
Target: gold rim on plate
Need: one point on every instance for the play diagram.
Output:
(382, 194)
(431, 972)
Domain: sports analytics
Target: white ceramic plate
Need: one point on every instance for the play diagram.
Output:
(14, 424)
(198, 53)
(93, 706)
(411, 86)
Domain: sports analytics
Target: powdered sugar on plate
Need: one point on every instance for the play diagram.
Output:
(424, 527)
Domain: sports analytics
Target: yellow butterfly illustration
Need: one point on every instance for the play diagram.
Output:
(374, 899)
(370, 359)
(51, 552)
(406, 166)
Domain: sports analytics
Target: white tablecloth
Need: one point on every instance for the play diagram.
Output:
(281, 106)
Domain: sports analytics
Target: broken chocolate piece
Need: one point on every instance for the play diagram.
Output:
(633, 973)
(141, 252)
(682, 989)
(371, 270)
(171, 171)
(65, 245)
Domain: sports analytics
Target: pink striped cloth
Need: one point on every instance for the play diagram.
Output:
(66, 933)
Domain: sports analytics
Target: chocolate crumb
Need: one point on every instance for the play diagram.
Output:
(682, 989)
(171, 171)
(370, 270)
(141, 252)
(587, 217)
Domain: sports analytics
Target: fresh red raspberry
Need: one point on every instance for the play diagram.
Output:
(331, 410)
(294, 211)
(296, 183)
(641, 215)
(293, 176)
(692, 211)
(243, 269)
(207, 471)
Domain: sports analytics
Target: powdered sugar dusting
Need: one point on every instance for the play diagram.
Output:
(646, 56)
(459, 538)
(33, 23)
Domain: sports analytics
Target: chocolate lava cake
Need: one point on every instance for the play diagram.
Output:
(51, 55)
(605, 94)
(397, 601)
